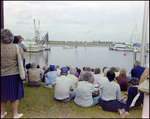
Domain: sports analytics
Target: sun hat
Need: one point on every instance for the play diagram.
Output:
(20, 37)
(64, 70)
(51, 67)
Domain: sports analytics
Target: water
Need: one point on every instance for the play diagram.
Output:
(89, 56)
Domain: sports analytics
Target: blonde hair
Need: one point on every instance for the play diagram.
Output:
(123, 71)
(87, 69)
(97, 71)
(105, 71)
(44, 68)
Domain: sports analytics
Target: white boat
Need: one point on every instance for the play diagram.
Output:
(123, 47)
(32, 46)
(68, 47)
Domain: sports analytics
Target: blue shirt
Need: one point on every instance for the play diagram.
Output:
(51, 75)
(137, 72)
(110, 91)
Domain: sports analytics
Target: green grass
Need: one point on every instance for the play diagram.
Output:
(38, 102)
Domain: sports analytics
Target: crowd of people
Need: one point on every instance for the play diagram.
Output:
(113, 89)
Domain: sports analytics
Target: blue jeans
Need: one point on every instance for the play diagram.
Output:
(71, 96)
(112, 106)
(95, 101)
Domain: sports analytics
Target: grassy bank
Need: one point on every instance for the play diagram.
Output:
(79, 43)
(38, 102)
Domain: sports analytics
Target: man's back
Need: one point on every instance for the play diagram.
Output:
(137, 72)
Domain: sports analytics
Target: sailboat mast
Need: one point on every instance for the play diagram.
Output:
(144, 34)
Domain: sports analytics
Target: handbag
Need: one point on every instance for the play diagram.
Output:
(20, 64)
(144, 86)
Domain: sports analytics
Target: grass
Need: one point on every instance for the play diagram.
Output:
(38, 102)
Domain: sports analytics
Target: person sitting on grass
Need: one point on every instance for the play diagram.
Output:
(132, 92)
(122, 80)
(84, 91)
(73, 78)
(51, 75)
(110, 94)
(34, 76)
(63, 86)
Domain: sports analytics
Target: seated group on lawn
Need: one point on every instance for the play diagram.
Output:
(112, 89)
(109, 89)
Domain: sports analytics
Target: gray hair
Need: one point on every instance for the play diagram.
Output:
(105, 71)
(33, 65)
(73, 70)
(6, 36)
(137, 63)
(87, 76)
(134, 81)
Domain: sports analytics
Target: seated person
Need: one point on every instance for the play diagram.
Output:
(28, 66)
(34, 76)
(44, 70)
(84, 91)
(110, 94)
(51, 75)
(63, 86)
(73, 78)
(132, 92)
(122, 80)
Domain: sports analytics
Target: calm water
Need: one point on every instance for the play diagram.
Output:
(89, 56)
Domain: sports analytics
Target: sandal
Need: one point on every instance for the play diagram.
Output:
(2, 116)
(121, 113)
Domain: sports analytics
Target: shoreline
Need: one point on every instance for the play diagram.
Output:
(75, 43)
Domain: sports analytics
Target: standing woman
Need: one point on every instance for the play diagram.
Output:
(144, 76)
(11, 83)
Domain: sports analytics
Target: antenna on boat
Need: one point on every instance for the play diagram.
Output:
(35, 31)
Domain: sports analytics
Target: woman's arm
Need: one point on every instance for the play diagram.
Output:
(144, 75)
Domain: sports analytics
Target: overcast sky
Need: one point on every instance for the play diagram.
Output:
(75, 20)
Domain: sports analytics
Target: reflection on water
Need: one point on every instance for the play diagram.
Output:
(83, 56)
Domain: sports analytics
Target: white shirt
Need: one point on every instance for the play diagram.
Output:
(58, 70)
(84, 94)
(62, 87)
(74, 80)
(96, 78)
(110, 91)
(103, 80)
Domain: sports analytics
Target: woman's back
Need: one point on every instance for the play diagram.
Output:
(9, 65)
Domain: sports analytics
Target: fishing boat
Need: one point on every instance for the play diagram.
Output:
(44, 43)
(32, 46)
(68, 47)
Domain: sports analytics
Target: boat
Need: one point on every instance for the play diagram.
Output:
(37, 45)
(45, 42)
(68, 47)
(123, 47)
(32, 46)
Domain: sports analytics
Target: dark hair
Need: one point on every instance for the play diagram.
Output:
(79, 71)
(38, 66)
(134, 81)
(68, 68)
(110, 75)
(83, 68)
(16, 40)
(28, 66)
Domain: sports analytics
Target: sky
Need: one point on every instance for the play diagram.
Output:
(89, 21)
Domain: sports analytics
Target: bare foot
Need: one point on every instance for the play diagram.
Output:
(126, 113)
